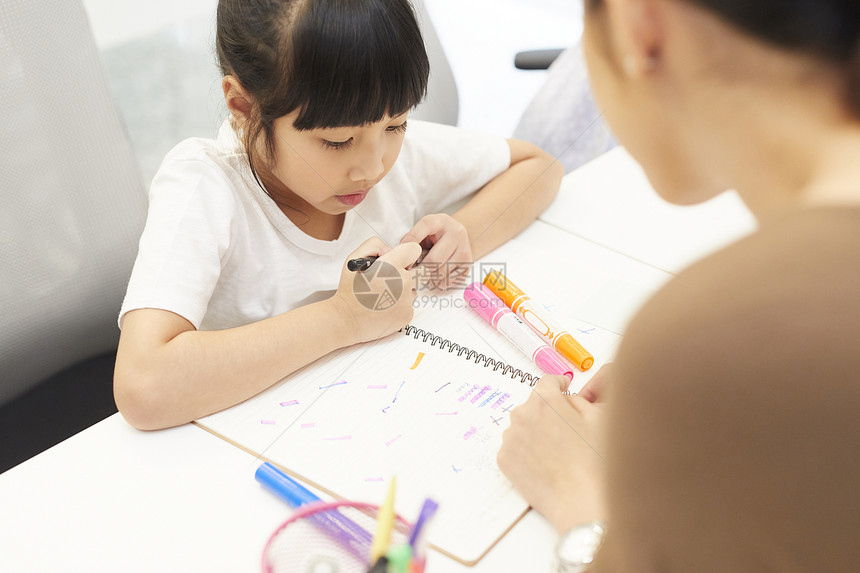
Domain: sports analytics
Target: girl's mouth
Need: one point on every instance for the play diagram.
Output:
(353, 199)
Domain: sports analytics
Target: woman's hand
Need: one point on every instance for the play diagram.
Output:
(449, 260)
(593, 389)
(553, 454)
(378, 301)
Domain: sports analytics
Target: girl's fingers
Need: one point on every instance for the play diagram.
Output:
(403, 255)
(420, 231)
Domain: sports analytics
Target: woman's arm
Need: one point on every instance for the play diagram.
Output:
(168, 373)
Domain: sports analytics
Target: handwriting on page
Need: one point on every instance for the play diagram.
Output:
(417, 361)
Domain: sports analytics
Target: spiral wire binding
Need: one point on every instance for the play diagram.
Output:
(477, 357)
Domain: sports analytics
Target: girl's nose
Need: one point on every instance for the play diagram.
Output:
(369, 163)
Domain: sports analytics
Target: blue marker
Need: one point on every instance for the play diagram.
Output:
(345, 531)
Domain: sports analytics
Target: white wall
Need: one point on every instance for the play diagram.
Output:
(118, 21)
(480, 38)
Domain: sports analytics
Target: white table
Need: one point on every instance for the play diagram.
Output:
(610, 202)
(116, 499)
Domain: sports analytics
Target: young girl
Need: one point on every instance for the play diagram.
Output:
(240, 278)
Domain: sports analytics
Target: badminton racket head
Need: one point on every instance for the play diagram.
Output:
(299, 546)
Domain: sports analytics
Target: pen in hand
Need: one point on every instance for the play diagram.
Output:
(364, 263)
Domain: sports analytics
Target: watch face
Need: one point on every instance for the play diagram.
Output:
(577, 547)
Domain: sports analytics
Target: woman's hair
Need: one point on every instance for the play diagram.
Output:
(338, 62)
(829, 29)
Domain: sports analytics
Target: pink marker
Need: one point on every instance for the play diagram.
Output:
(492, 309)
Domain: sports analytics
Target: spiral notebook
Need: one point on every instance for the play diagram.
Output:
(427, 404)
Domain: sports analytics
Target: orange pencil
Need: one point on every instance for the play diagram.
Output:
(526, 309)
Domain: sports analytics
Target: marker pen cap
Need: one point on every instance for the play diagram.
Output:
(568, 347)
(550, 362)
(502, 287)
(485, 303)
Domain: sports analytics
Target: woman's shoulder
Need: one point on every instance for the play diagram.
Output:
(785, 294)
(787, 261)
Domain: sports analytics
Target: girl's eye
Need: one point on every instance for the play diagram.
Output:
(337, 145)
(397, 128)
(342, 145)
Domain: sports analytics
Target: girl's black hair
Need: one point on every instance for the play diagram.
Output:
(338, 62)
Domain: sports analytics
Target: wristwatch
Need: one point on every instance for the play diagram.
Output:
(576, 549)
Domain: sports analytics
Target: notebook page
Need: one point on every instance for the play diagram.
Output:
(399, 407)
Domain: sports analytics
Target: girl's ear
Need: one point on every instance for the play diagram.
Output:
(239, 102)
(638, 34)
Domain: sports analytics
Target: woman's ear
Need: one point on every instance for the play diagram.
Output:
(239, 101)
(638, 34)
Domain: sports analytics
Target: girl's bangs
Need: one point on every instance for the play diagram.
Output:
(355, 63)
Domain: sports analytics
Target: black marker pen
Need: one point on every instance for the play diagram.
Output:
(364, 263)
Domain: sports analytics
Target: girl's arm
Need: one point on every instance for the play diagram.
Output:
(510, 202)
(500, 210)
(168, 373)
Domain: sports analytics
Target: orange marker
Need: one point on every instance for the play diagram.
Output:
(526, 309)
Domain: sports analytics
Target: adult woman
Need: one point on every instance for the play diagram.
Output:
(730, 431)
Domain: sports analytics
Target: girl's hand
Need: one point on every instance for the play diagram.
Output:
(449, 260)
(553, 454)
(378, 301)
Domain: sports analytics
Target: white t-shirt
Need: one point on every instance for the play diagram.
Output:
(219, 252)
